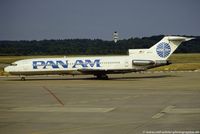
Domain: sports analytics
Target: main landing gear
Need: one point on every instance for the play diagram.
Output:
(102, 76)
(23, 78)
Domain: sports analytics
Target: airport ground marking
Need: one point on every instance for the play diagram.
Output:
(50, 92)
(62, 109)
(174, 110)
(184, 111)
(162, 112)
(158, 115)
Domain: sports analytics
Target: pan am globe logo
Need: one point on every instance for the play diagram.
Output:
(163, 49)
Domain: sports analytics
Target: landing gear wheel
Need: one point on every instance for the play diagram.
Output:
(23, 78)
(102, 77)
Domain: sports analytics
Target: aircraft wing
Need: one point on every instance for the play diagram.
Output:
(92, 71)
(102, 71)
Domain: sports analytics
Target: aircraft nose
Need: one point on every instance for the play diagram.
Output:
(7, 69)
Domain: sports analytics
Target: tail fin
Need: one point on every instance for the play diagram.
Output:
(164, 48)
(161, 50)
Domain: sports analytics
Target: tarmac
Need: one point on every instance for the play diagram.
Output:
(135, 103)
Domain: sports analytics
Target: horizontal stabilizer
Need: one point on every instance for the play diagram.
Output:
(176, 38)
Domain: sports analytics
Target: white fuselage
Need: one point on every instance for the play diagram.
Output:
(136, 60)
(75, 65)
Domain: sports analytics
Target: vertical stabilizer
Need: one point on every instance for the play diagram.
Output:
(164, 48)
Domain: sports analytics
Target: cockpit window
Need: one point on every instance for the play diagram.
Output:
(13, 64)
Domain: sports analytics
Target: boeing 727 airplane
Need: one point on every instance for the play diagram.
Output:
(136, 60)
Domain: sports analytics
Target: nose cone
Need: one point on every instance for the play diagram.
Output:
(7, 69)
